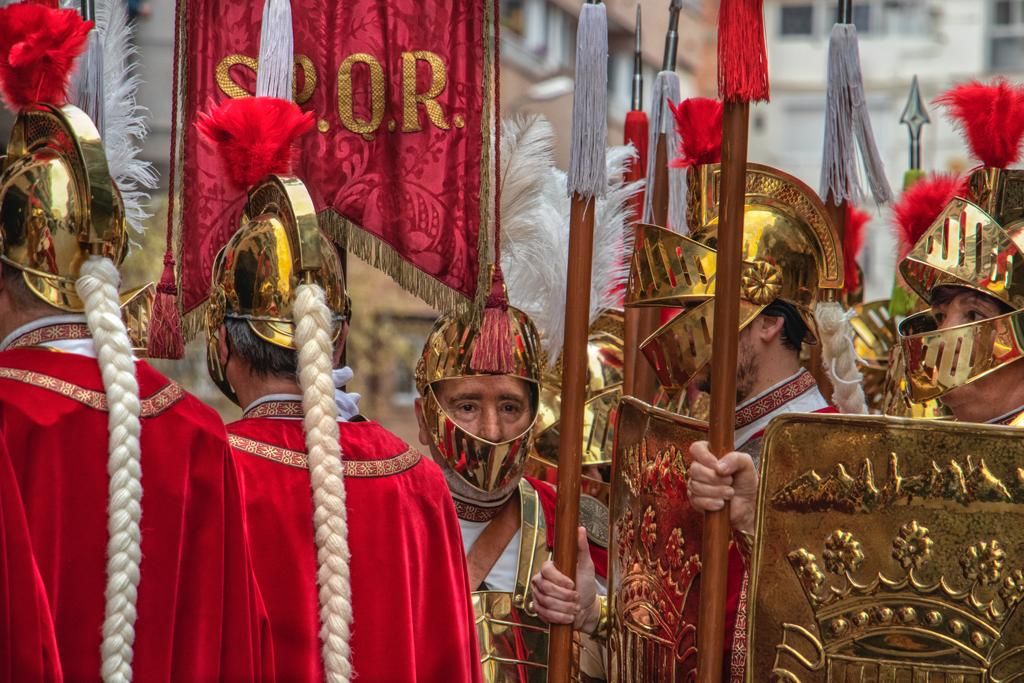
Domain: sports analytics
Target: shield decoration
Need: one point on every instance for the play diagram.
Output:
(888, 550)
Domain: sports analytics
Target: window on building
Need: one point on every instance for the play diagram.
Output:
(863, 17)
(797, 20)
(1006, 51)
(906, 18)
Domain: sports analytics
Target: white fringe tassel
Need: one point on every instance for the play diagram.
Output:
(848, 124)
(666, 87)
(835, 334)
(276, 70)
(587, 176)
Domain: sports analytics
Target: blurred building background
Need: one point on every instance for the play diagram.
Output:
(941, 41)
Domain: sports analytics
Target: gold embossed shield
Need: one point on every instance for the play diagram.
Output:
(654, 558)
(888, 550)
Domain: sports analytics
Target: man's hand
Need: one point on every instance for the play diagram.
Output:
(713, 481)
(555, 597)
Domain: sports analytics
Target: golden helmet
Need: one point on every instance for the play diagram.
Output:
(604, 388)
(58, 203)
(791, 253)
(278, 247)
(485, 465)
(967, 246)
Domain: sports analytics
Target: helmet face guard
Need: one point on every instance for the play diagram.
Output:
(937, 361)
(967, 248)
(485, 465)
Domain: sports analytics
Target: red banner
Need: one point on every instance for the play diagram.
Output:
(400, 162)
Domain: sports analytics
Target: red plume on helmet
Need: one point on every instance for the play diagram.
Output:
(255, 136)
(853, 243)
(699, 124)
(920, 205)
(991, 117)
(38, 49)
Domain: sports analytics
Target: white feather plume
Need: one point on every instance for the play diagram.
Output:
(535, 240)
(125, 126)
(122, 123)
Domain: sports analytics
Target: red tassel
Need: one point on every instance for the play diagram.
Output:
(636, 131)
(165, 337)
(38, 49)
(991, 118)
(493, 352)
(853, 243)
(920, 205)
(255, 136)
(742, 57)
(699, 124)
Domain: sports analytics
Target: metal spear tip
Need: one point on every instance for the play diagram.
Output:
(637, 95)
(914, 115)
(636, 31)
(672, 36)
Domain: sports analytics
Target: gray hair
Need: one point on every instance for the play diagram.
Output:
(264, 358)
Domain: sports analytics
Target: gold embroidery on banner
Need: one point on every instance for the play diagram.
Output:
(152, 406)
(232, 89)
(352, 468)
(411, 99)
(41, 335)
(378, 95)
(223, 74)
(308, 80)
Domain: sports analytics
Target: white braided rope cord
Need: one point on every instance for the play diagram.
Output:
(97, 285)
(840, 357)
(313, 327)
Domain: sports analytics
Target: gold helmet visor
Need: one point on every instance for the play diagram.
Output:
(967, 248)
(939, 360)
(487, 466)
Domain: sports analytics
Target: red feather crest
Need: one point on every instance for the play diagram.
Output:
(853, 243)
(991, 117)
(699, 124)
(920, 205)
(255, 136)
(38, 49)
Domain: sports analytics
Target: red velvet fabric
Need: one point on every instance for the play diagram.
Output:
(198, 609)
(28, 645)
(412, 618)
(548, 497)
(378, 158)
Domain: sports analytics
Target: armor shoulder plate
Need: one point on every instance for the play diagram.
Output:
(594, 518)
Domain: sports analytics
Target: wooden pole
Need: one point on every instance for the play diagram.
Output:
(725, 332)
(570, 444)
(639, 380)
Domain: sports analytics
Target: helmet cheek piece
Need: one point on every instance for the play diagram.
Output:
(968, 248)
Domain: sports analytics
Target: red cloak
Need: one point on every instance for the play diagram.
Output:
(412, 616)
(199, 614)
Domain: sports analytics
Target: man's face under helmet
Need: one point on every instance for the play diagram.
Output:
(492, 461)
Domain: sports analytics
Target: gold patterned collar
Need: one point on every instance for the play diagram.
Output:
(477, 512)
(55, 331)
(774, 398)
(275, 408)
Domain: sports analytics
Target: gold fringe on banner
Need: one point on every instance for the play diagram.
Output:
(382, 256)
